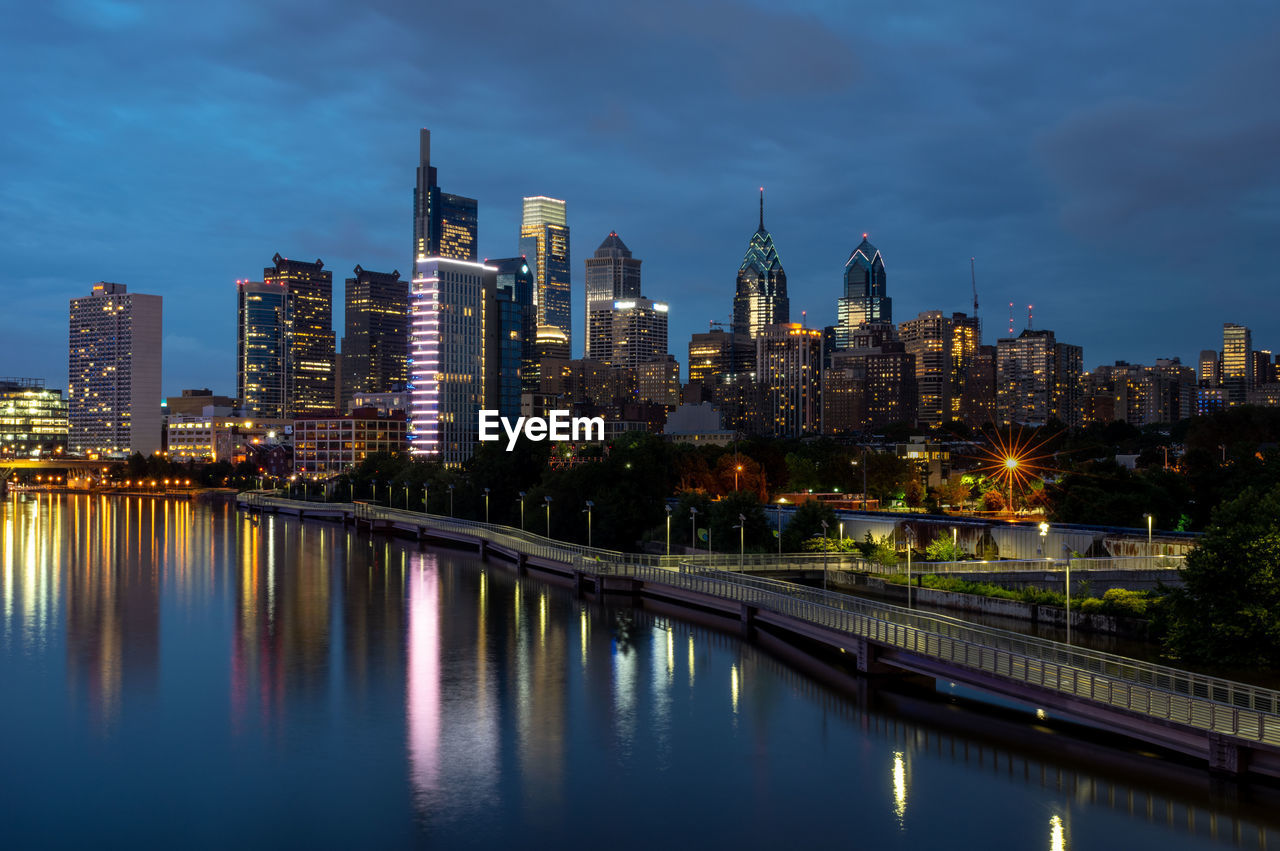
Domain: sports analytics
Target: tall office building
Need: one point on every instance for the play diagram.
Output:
(612, 275)
(1210, 368)
(310, 380)
(262, 348)
(447, 350)
(375, 347)
(1237, 362)
(789, 366)
(944, 349)
(544, 240)
(638, 332)
(33, 418)
(1038, 380)
(864, 298)
(718, 353)
(760, 298)
(114, 365)
(869, 385)
(444, 225)
(510, 320)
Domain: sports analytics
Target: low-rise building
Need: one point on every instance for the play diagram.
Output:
(328, 445)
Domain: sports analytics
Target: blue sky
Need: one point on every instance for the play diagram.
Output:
(1116, 165)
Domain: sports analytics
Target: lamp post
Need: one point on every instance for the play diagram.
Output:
(426, 492)
(587, 511)
(486, 506)
(736, 470)
(824, 555)
(841, 535)
(909, 542)
(406, 497)
(668, 508)
(1044, 532)
(373, 491)
(522, 496)
(742, 540)
(1067, 549)
(1150, 521)
(450, 500)
(693, 528)
(779, 528)
(1011, 464)
(548, 501)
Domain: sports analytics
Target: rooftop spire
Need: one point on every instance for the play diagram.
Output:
(761, 208)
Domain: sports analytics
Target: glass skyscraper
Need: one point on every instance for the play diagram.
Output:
(444, 225)
(510, 323)
(375, 347)
(864, 299)
(262, 348)
(544, 241)
(761, 296)
(310, 385)
(612, 274)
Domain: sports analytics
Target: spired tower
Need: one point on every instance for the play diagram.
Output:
(864, 301)
(761, 297)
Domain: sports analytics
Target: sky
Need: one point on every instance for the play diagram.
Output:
(1116, 165)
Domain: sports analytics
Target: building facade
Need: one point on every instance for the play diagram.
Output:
(544, 241)
(510, 320)
(760, 296)
(375, 347)
(865, 299)
(638, 331)
(1038, 380)
(263, 319)
(944, 348)
(311, 353)
(717, 353)
(789, 364)
(1237, 362)
(33, 418)
(612, 274)
(447, 351)
(332, 444)
(114, 365)
(444, 225)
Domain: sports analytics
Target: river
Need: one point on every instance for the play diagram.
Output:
(178, 674)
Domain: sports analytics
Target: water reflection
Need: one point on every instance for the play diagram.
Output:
(390, 689)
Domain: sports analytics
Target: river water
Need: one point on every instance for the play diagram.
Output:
(180, 675)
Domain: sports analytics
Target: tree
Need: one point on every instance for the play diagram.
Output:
(807, 522)
(1227, 611)
(913, 492)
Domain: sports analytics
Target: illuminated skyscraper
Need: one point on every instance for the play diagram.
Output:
(1038, 379)
(544, 241)
(114, 365)
(789, 366)
(1237, 362)
(447, 352)
(510, 320)
(444, 225)
(33, 419)
(612, 275)
(944, 349)
(719, 353)
(310, 385)
(375, 347)
(864, 297)
(638, 332)
(761, 296)
(262, 348)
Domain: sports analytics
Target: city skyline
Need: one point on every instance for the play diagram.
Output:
(1016, 166)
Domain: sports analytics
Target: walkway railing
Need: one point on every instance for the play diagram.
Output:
(1196, 700)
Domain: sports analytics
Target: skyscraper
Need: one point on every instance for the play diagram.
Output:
(718, 353)
(544, 240)
(375, 347)
(311, 357)
(1038, 379)
(612, 275)
(789, 365)
(444, 225)
(1237, 362)
(864, 297)
(510, 319)
(638, 332)
(760, 299)
(447, 351)
(114, 365)
(262, 348)
(944, 349)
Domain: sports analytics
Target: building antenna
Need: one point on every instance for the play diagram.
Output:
(973, 278)
(1029, 317)
(1010, 319)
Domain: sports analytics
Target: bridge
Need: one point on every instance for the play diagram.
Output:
(9, 465)
(1233, 727)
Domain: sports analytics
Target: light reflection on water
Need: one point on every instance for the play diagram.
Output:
(180, 665)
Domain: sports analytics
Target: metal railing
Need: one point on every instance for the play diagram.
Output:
(1209, 703)
(1050, 565)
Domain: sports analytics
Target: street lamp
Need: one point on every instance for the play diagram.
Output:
(824, 555)
(426, 492)
(736, 471)
(1044, 532)
(1011, 465)
(1067, 550)
(587, 511)
(668, 508)
(548, 501)
(486, 506)
(406, 497)
(1150, 520)
(910, 539)
(742, 540)
(693, 528)
(522, 495)
(450, 500)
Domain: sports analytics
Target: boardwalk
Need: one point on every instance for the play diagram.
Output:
(1232, 726)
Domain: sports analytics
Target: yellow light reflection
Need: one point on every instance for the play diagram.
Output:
(899, 786)
(671, 652)
(690, 660)
(1057, 837)
(733, 687)
(582, 635)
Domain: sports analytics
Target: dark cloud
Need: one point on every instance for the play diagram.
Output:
(1072, 149)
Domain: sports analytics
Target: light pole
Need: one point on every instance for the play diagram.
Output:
(668, 508)
(373, 491)
(548, 501)
(587, 510)
(450, 500)
(955, 542)
(693, 528)
(1067, 549)
(824, 555)
(406, 497)
(486, 506)
(779, 528)
(1150, 521)
(1044, 532)
(1011, 465)
(522, 496)
(842, 536)
(426, 492)
(742, 540)
(907, 535)
(736, 470)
